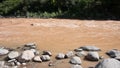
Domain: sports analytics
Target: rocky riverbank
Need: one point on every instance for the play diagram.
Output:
(28, 53)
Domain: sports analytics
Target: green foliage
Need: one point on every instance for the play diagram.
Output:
(9, 6)
(88, 9)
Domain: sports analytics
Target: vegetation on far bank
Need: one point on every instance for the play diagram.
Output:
(80, 9)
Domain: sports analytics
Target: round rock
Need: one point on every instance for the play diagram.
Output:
(13, 55)
(92, 56)
(37, 59)
(3, 51)
(75, 60)
(108, 63)
(69, 54)
(45, 57)
(27, 55)
(60, 56)
(114, 53)
(47, 53)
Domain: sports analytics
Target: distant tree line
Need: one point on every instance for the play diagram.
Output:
(81, 9)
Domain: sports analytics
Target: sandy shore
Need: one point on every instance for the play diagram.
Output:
(60, 35)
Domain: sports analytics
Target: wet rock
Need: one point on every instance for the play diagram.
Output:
(3, 51)
(27, 55)
(114, 53)
(47, 53)
(37, 59)
(80, 54)
(13, 55)
(92, 56)
(76, 66)
(108, 63)
(75, 60)
(60, 56)
(69, 54)
(45, 57)
(90, 48)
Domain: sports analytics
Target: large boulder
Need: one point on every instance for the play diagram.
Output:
(27, 55)
(69, 54)
(93, 56)
(13, 55)
(114, 53)
(75, 60)
(108, 63)
(3, 51)
(60, 56)
(90, 48)
(45, 57)
(76, 66)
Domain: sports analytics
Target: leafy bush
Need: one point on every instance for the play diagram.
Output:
(83, 9)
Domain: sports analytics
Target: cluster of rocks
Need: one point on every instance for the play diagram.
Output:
(28, 53)
(22, 55)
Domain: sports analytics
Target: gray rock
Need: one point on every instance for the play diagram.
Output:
(45, 57)
(90, 48)
(47, 53)
(93, 56)
(12, 60)
(27, 55)
(37, 59)
(114, 53)
(3, 51)
(13, 55)
(78, 50)
(75, 60)
(18, 63)
(108, 63)
(30, 44)
(60, 56)
(80, 54)
(69, 54)
(76, 66)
